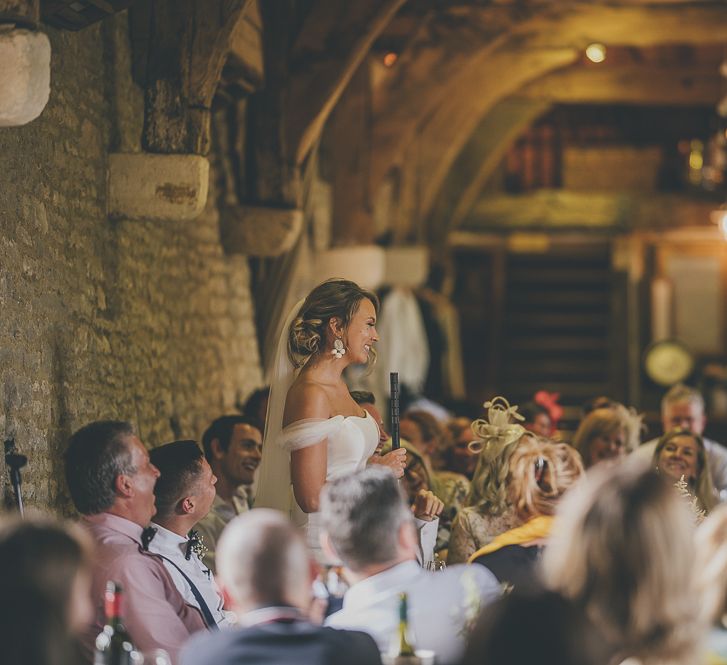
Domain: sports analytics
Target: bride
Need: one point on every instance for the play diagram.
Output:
(314, 431)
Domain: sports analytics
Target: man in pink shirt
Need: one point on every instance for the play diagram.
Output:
(111, 482)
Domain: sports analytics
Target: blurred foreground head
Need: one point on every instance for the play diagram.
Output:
(535, 627)
(262, 561)
(45, 591)
(622, 550)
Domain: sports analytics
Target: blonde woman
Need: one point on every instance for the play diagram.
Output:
(540, 473)
(488, 512)
(680, 454)
(314, 430)
(605, 435)
(712, 582)
(622, 549)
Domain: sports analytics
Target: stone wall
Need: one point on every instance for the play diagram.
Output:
(144, 321)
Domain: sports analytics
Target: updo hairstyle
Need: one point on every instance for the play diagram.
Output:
(334, 298)
(540, 473)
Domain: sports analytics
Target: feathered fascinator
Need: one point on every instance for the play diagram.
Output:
(498, 431)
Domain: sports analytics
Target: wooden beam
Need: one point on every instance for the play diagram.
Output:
(562, 210)
(274, 177)
(259, 231)
(479, 158)
(317, 86)
(449, 129)
(555, 26)
(180, 48)
(630, 84)
(349, 143)
(23, 12)
(425, 73)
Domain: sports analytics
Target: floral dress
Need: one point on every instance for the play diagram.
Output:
(472, 529)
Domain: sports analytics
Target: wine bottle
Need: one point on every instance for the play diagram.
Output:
(113, 644)
(405, 654)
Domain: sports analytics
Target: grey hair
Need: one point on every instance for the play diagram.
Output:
(262, 559)
(362, 515)
(682, 393)
(96, 455)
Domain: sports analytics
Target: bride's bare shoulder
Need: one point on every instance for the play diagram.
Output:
(306, 399)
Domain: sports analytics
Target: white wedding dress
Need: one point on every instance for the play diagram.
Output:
(350, 441)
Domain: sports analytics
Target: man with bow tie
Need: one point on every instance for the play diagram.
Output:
(184, 494)
(111, 480)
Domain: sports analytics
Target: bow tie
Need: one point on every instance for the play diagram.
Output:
(147, 535)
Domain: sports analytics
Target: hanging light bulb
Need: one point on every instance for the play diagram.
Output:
(719, 217)
(596, 52)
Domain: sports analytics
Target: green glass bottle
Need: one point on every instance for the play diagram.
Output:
(405, 652)
(113, 644)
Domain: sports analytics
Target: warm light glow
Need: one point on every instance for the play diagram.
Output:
(596, 52)
(719, 217)
(696, 161)
(390, 59)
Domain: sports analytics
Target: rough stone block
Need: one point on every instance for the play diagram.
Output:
(407, 266)
(363, 264)
(259, 231)
(146, 186)
(24, 76)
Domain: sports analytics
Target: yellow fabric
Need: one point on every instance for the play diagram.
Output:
(538, 527)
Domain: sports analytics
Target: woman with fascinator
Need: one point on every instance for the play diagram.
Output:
(489, 511)
(314, 431)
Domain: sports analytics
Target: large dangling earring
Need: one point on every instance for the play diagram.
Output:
(338, 348)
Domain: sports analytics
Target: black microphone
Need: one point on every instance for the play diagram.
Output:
(394, 380)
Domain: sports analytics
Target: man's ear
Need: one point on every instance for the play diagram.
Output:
(186, 505)
(217, 451)
(227, 599)
(327, 547)
(123, 486)
(408, 539)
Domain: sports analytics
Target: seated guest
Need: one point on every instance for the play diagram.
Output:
(537, 419)
(418, 482)
(540, 473)
(266, 574)
(424, 432)
(457, 456)
(535, 626)
(111, 481)
(488, 512)
(45, 589)
(233, 448)
(368, 526)
(622, 549)
(680, 454)
(256, 407)
(711, 567)
(683, 407)
(184, 493)
(603, 435)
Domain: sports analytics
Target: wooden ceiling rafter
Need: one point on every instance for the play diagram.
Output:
(179, 53)
(443, 133)
(319, 81)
